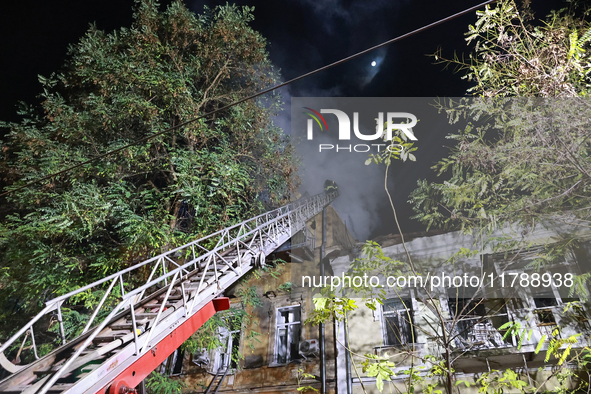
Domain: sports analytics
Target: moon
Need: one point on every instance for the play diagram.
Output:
(373, 64)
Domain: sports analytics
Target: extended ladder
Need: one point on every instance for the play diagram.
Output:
(135, 328)
(217, 380)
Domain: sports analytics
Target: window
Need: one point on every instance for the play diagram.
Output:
(287, 334)
(545, 301)
(397, 322)
(226, 356)
(475, 322)
(222, 358)
(173, 365)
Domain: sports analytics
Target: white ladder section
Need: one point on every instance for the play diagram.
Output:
(131, 318)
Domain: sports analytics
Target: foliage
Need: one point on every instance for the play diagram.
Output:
(326, 309)
(399, 149)
(286, 287)
(519, 162)
(73, 323)
(304, 389)
(522, 333)
(119, 87)
(274, 269)
(512, 56)
(496, 382)
(492, 182)
(490, 173)
(378, 367)
(159, 384)
(555, 347)
(249, 296)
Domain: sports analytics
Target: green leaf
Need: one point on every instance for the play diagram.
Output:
(540, 344)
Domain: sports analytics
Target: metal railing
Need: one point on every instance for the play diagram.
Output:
(478, 332)
(231, 251)
(482, 332)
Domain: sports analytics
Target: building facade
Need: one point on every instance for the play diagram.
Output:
(479, 328)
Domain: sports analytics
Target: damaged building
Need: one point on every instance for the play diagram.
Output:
(487, 327)
(278, 352)
(496, 322)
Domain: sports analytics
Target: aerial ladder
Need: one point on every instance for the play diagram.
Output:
(134, 328)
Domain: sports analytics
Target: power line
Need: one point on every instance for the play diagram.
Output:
(346, 59)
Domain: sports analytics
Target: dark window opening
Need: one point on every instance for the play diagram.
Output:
(235, 351)
(475, 322)
(287, 338)
(397, 322)
(545, 302)
(178, 365)
(173, 365)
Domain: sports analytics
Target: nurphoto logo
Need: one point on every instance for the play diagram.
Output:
(393, 122)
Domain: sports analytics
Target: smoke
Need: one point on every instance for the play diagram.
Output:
(363, 200)
(313, 34)
(360, 186)
(352, 13)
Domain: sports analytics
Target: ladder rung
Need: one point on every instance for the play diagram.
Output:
(148, 315)
(171, 297)
(157, 306)
(108, 338)
(123, 326)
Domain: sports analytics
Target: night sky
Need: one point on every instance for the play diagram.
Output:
(302, 34)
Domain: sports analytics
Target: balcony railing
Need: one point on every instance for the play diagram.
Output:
(471, 333)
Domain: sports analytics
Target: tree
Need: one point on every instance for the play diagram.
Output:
(457, 330)
(514, 55)
(436, 372)
(116, 88)
(518, 160)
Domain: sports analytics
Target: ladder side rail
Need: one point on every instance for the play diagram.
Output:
(53, 303)
(88, 341)
(221, 380)
(283, 213)
(154, 258)
(210, 253)
(12, 339)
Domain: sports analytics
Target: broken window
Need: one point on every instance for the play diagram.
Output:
(397, 327)
(173, 365)
(287, 334)
(475, 322)
(227, 355)
(545, 301)
(223, 357)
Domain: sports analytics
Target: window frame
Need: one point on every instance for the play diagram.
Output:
(278, 326)
(223, 355)
(409, 310)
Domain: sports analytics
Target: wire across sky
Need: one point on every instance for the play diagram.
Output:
(262, 92)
